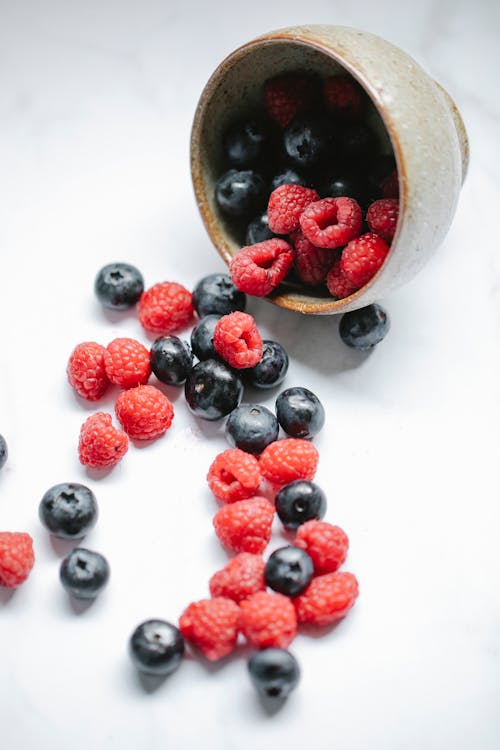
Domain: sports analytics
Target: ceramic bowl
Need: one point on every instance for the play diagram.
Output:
(410, 110)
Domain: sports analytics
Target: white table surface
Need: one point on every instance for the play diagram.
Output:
(96, 102)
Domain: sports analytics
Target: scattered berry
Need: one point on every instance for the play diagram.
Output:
(165, 307)
(285, 206)
(258, 269)
(4, 452)
(202, 338)
(298, 502)
(234, 475)
(251, 427)
(84, 573)
(118, 286)
(326, 599)
(308, 140)
(331, 222)
(364, 328)
(212, 626)
(217, 295)
(86, 370)
(171, 360)
(245, 526)
(288, 94)
(362, 258)
(16, 558)
(68, 510)
(311, 263)
(343, 97)
(212, 390)
(287, 177)
(286, 460)
(127, 363)
(241, 577)
(274, 672)
(272, 368)
(355, 143)
(268, 620)
(390, 186)
(300, 412)
(156, 647)
(382, 217)
(337, 284)
(247, 142)
(352, 185)
(101, 445)
(258, 230)
(327, 545)
(144, 412)
(240, 193)
(237, 340)
(289, 571)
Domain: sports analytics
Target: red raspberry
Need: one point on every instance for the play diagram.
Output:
(258, 269)
(382, 217)
(237, 340)
(245, 526)
(144, 412)
(286, 460)
(165, 307)
(212, 625)
(268, 620)
(337, 283)
(286, 95)
(326, 599)
(343, 97)
(327, 545)
(331, 222)
(285, 206)
(362, 258)
(16, 558)
(101, 445)
(390, 187)
(127, 363)
(86, 370)
(311, 263)
(234, 475)
(241, 577)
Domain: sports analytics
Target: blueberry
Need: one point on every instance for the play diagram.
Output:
(350, 186)
(240, 193)
(380, 168)
(289, 571)
(300, 413)
(216, 294)
(355, 142)
(272, 368)
(308, 140)
(212, 390)
(118, 286)
(247, 142)
(251, 428)
(202, 338)
(274, 672)
(68, 510)
(258, 230)
(156, 647)
(298, 502)
(171, 360)
(4, 453)
(365, 328)
(84, 573)
(287, 177)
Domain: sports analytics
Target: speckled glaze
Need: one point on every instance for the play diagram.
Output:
(420, 119)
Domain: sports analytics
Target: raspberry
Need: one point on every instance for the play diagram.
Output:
(16, 558)
(288, 94)
(211, 625)
(86, 371)
(245, 526)
(343, 97)
(268, 620)
(127, 363)
(258, 269)
(337, 283)
(285, 206)
(237, 340)
(311, 263)
(390, 186)
(331, 222)
(327, 545)
(286, 460)
(144, 412)
(165, 307)
(241, 577)
(234, 475)
(326, 599)
(382, 217)
(362, 258)
(101, 445)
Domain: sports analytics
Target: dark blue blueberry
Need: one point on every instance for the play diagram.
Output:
(171, 360)
(156, 647)
(308, 140)
(4, 453)
(68, 510)
(287, 177)
(202, 338)
(258, 230)
(300, 413)
(240, 193)
(350, 186)
(365, 328)
(355, 142)
(118, 286)
(251, 427)
(248, 142)
(272, 368)
(298, 502)
(216, 294)
(274, 672)
(212, 390)
(84, 573)
(289, 571)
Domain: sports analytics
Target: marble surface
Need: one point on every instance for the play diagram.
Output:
(96, 102)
